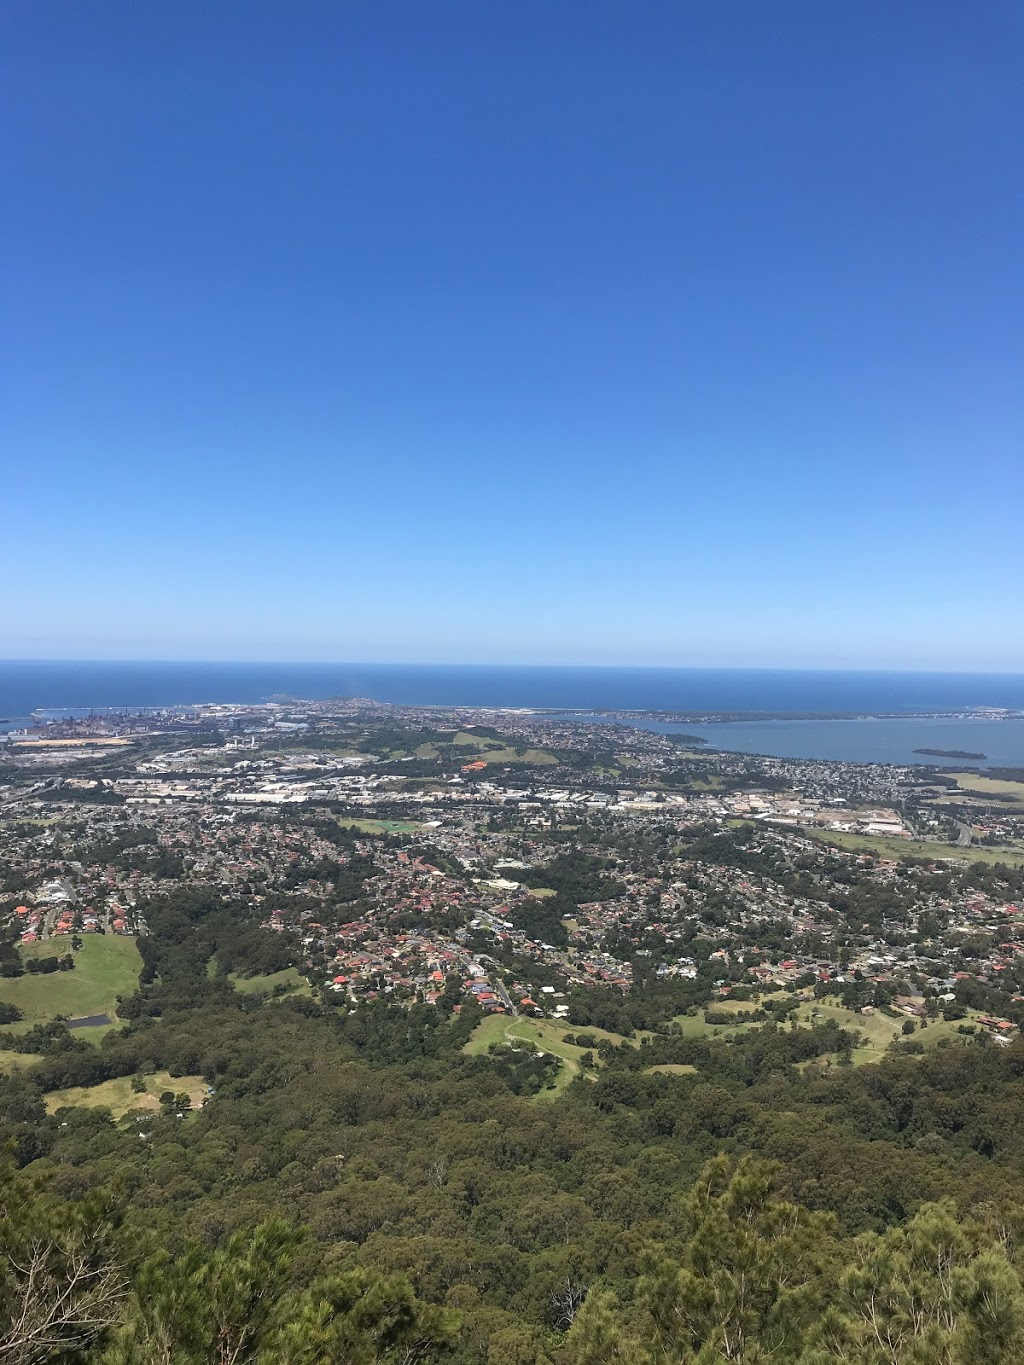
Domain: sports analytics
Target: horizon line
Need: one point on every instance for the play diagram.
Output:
(596, 667)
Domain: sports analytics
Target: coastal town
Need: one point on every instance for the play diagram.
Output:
(522, 864)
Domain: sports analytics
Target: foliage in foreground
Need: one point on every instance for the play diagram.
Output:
(742, 1276)
(69, 1292)
(756, 1279)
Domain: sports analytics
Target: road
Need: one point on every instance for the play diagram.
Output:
(965, 836)
(503, 995)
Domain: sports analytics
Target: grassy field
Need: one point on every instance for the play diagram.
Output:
(106, 966)
(914, 848)
(536, 757)
(94, 742)
(119, 1097)
(291, 978)
(468, 740)
(986, 786)
(878, 1029)
(16, 1061)
(693, 1025)
(546, 1036)
(381, 826)
(493, 752)
(529, 756)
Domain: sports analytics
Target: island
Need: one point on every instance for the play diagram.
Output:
(949, 753)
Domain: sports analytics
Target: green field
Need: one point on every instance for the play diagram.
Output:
(671, 1069)
(291, 978)
(914, 848)
(381, 826)
(468, 740)
(878, 1029)
(694, 1026)
(492, 752)
(529, 756)
(119, 1097)
(985, 786)
(106, 966)
(546, 1036)
(17, 1061)
(483, 746)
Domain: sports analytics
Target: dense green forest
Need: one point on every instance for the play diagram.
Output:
(358, 1188)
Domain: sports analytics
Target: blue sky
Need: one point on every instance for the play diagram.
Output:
(573, 332)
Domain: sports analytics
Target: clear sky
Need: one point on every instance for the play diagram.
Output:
(516, 330)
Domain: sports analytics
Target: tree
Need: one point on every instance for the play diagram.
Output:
(750, 1279)
(364, 1317)
(61, 1284)
(238, 1306)
(598, 1336)
(219, 1308)
(929, 1293)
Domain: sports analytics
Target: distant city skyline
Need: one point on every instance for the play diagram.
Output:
(585, 334)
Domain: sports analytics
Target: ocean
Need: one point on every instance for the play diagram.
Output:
(29, 685)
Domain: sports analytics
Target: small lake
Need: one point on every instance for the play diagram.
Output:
(869, 740)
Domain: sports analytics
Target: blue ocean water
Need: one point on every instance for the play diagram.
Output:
(28, 685)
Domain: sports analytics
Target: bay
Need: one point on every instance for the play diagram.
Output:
(867, 740)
